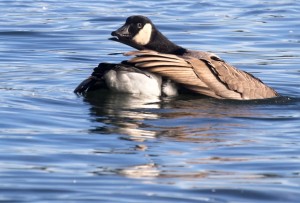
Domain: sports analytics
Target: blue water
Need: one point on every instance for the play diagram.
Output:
(108, 147)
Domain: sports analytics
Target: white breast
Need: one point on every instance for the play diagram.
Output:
(133, 83)
(136, 83)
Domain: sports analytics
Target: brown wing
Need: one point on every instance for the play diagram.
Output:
(206, 75)
(248, 86)
(171, 66)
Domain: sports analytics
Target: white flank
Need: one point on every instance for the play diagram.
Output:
(144, 35)
(134, 83)
(169, 88)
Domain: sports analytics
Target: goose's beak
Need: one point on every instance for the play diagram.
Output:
(122, 32)
(123, 35)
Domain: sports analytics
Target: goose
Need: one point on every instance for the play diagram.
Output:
(198, 71)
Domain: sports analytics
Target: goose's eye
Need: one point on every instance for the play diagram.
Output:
(139, 25)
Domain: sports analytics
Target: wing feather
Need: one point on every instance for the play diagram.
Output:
(206, 74)
(248, 86)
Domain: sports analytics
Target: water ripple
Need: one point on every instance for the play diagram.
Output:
(107, 147)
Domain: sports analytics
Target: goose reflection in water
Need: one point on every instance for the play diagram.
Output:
(181, 117)
(200, 122)
(119, 113)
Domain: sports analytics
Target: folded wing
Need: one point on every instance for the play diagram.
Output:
(208, 75)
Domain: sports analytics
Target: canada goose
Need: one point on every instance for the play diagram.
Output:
(198, 71)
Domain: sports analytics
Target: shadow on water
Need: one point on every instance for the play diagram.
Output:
(282, 100)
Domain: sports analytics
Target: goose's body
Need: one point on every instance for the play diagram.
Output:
(127, 79)
(201, 72)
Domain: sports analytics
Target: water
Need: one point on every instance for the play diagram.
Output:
(108, 147)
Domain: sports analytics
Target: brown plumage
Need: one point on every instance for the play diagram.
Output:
(199, 71)
(205, 74)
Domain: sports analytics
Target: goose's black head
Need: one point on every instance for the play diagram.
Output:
(136, 32)
(140, 33)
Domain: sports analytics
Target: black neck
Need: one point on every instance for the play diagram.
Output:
(158, 43)
(162, 44)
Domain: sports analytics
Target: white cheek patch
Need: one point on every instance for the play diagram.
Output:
(144, 35)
